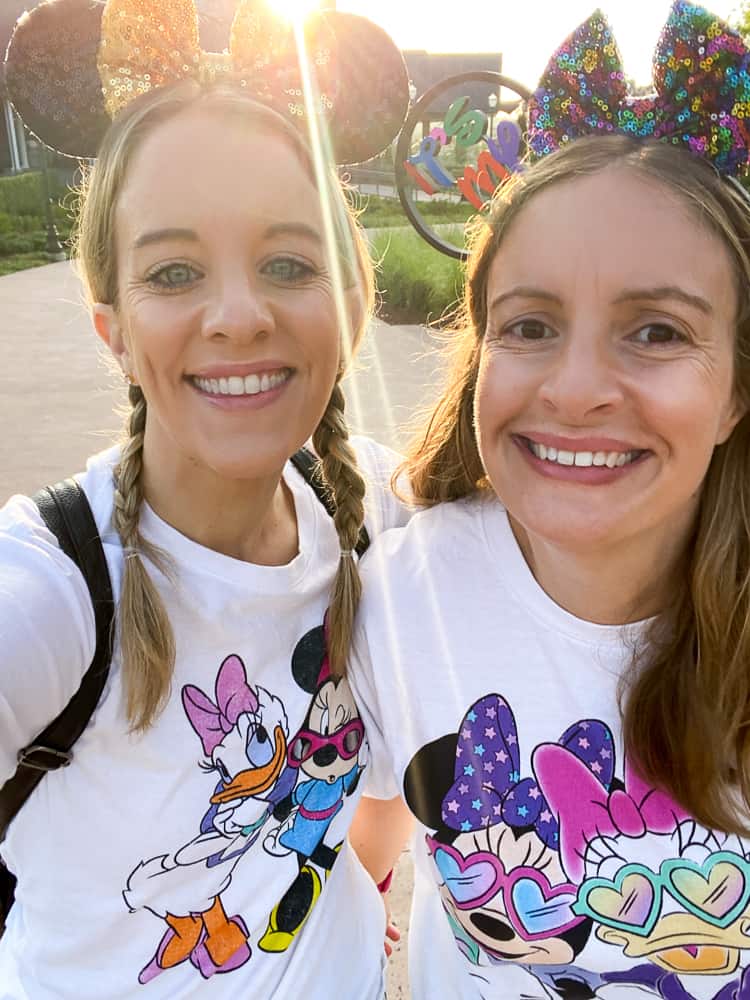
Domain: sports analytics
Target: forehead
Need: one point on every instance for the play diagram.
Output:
(206, 168)
(609, 231)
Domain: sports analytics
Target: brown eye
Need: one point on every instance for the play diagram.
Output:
(529, 331)
(659, 333)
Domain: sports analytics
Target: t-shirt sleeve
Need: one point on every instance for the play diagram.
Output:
(380, 782)
(384, 508)
(47, 629)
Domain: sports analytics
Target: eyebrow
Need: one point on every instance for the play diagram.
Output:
(293, 229)
(666, 292)
(277, 229)
(162, 235)
(631, 295)
(525, 292)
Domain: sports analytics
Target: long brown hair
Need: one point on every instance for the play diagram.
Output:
(685, 700)
(145, 633)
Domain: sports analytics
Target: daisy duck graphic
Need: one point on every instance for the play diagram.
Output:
(657, 886)
(243, 733)
(325, 756)
(503, 887)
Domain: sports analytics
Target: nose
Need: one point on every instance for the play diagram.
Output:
(325, 756)
(239, 309)
(582, 380)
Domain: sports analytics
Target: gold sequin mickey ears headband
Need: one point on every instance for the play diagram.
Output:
(71, 65)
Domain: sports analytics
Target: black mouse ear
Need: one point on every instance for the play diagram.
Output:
(308, 659)
(428, 779)
(52, 78)
(371, 88)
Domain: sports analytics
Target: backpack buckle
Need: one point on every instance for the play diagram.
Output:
(43, 758)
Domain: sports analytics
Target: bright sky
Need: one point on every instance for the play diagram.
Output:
(525, 31)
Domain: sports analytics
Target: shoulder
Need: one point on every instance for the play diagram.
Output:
(446, 534)
(46, 617)
(377, 464)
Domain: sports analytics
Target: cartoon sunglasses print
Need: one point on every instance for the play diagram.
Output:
(535, 908)
(346, 741)
(717, 891)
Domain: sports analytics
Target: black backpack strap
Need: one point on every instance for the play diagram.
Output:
(66, 512)
(308, 466)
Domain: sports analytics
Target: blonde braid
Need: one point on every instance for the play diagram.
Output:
(340, 472)
(146, 637)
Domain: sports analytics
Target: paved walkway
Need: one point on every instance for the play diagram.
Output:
(58, 401)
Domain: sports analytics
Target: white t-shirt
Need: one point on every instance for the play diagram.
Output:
(544, 866)
(179, 863)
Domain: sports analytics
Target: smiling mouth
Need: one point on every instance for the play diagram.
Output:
(238, 385)
(581, 459)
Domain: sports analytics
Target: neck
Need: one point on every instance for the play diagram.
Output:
(253, 520)
(607, 585)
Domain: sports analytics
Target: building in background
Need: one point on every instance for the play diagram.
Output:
(428, 68)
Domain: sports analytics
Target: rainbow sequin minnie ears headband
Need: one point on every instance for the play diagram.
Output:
(72, 65)
(701, 74)
(701, 102)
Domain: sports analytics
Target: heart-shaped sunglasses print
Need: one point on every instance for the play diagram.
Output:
(717, 891)
(631, 902)
(534, 907)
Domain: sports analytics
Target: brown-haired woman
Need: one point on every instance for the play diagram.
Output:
(194, 837)
(554, 654)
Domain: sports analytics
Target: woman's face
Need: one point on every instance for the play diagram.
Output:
(226, 312)
(606, 371)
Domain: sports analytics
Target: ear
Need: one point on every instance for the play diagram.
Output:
(734, 413)
(108, 328)
(308, 658)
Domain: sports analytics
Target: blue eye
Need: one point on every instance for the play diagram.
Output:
(176, 275)
(288, 270)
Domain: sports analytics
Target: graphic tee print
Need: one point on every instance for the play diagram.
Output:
(545, 865)
(275, 792)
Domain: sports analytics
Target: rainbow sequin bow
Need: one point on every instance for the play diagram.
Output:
(701, 74)
(74, 64)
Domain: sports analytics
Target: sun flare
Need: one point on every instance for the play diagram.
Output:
(294, 10)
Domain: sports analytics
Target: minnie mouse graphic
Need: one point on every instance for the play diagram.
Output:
(495, 846)
(324, 753)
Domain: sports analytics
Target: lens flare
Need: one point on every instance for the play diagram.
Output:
(294, 10)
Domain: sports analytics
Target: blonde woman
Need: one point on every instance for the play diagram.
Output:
(198, 840)
(553, 657)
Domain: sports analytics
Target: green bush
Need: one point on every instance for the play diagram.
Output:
(15, 243)
(378, 212)
(19, 262)
(417, 284)
(22, 194)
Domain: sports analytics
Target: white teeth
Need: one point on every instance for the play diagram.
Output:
(236, 385)
(583, 459)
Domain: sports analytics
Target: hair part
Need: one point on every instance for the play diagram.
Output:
(145, 632)
(685, 698)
